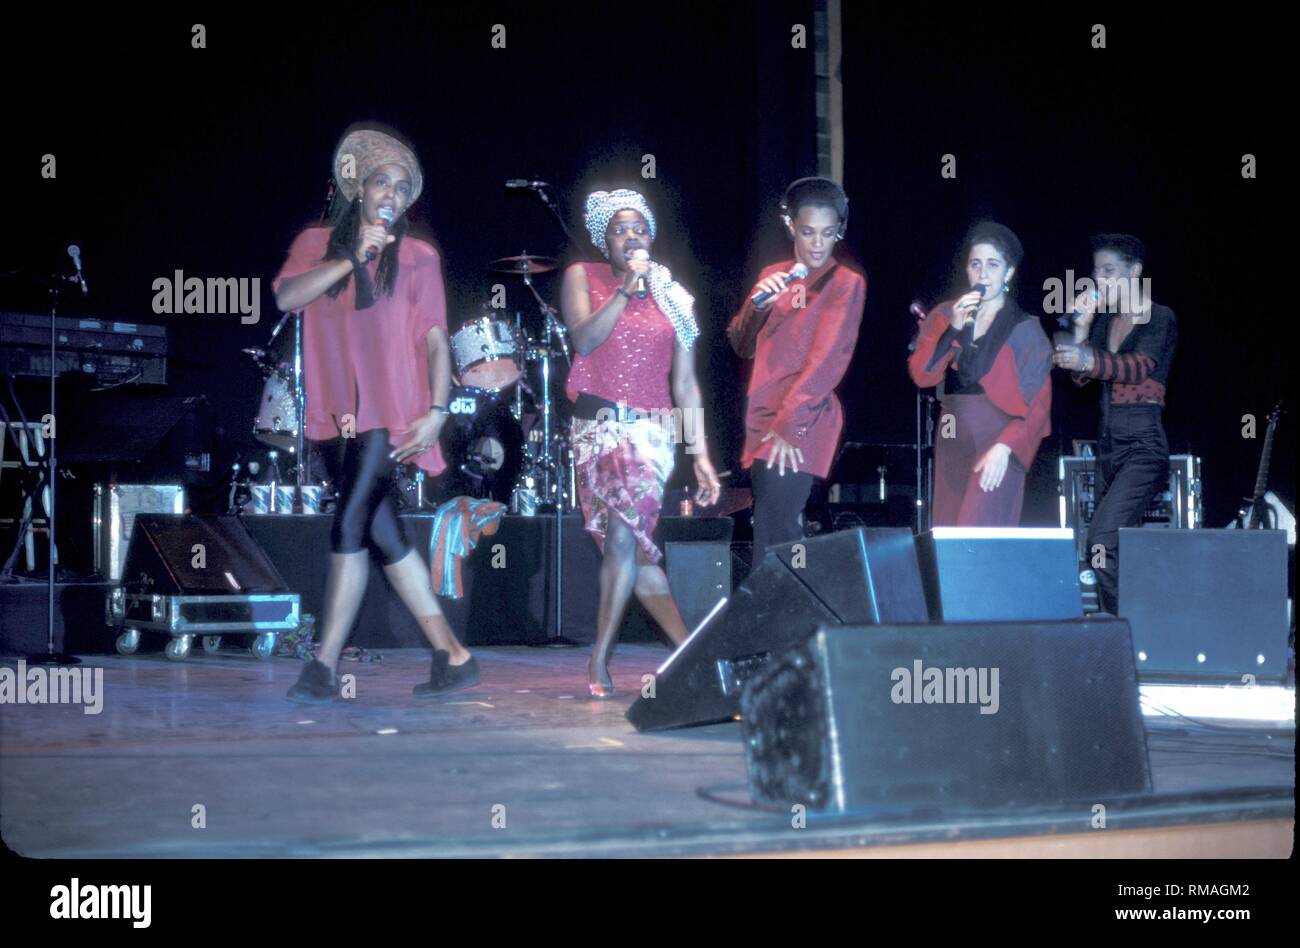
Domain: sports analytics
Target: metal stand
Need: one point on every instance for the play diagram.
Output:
(924, 459)
(49, 656)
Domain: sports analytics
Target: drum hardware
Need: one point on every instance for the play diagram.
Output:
(282, 409)
(523, 264)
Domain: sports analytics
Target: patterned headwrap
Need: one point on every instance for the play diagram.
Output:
(673, 298)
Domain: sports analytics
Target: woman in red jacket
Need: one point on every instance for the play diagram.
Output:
(801, 336)
(992, 363)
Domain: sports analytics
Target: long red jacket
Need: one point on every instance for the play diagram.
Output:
(800, 355)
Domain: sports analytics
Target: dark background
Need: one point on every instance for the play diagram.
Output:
(209, 161)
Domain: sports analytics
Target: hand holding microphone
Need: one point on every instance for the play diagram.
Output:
(965, 308)
(375, 237)
(769, 288)
(638, 266)
(1085, 310)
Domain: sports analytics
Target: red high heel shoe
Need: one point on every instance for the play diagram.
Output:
(599, 691)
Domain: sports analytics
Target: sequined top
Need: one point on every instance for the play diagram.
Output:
(632, 364)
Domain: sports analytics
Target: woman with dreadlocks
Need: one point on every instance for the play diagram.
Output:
(377, 366)
(633, 326)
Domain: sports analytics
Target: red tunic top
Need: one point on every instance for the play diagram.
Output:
(633, 363)
(800, 356)
(372, 364)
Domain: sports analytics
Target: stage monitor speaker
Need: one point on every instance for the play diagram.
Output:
(1206, 603)
(1000, 574)
(177, 555)
(699, 575)
(858, 576)
(971, 715)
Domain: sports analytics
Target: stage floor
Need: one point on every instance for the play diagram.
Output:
(524, 765)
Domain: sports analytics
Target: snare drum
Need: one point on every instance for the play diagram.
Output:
(488, 354)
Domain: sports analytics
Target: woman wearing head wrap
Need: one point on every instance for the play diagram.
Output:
(632, 324)
(992, 363)
(377, 369)
(801, 337)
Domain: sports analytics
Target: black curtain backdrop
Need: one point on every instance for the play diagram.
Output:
(209, 161)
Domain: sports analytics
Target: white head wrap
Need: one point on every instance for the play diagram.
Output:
(673, 298)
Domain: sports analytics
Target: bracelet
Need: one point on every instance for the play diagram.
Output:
(441, 408)
(624, 293)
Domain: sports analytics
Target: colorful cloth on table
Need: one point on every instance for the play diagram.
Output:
(623, 468)
(457, 526)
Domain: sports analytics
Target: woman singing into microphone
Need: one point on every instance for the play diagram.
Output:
(377, 371)
(632, 325)
(992, 363)
(801, 338)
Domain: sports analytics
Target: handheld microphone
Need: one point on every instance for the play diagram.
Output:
(970, 317)
(1066, 322)
(640, 254)
(917, 309)
(385, 215)
(797, 272)
(525, 183)
(75, 253)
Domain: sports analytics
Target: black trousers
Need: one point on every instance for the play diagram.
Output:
(362, 474)
(778, 503)
(1132, 467)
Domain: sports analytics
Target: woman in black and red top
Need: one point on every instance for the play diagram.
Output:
(993, 364)
(1129, 348)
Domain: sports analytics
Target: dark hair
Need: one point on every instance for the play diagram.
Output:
(1129, 248)
(345, 221)
(1002, 238)
(816, 192)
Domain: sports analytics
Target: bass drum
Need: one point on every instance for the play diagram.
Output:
(482, 444)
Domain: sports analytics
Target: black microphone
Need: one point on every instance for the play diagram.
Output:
(640, 254)
(75, 253)
(1067, 322)
(970, 317)
(525, 183)
(385, 215)
(797, 272)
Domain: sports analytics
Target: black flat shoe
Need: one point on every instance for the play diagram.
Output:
(316, 685)
(444, 678)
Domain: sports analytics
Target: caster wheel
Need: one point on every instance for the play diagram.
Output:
(263, 646)
(128, 642)
(212, 644)
(178, 649)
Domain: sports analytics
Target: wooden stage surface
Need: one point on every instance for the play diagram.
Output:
(525, 765)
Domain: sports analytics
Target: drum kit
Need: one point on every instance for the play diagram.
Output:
(503, 439)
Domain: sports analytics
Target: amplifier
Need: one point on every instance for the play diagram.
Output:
(1178, 506)
(115, 508)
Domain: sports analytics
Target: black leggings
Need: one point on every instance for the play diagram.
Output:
(362, 474)
(778, 502)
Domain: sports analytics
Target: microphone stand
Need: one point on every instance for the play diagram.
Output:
(550, 466)
(549, 201)
(49, 656)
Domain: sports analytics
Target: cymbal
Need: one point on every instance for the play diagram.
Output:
(525, 263)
